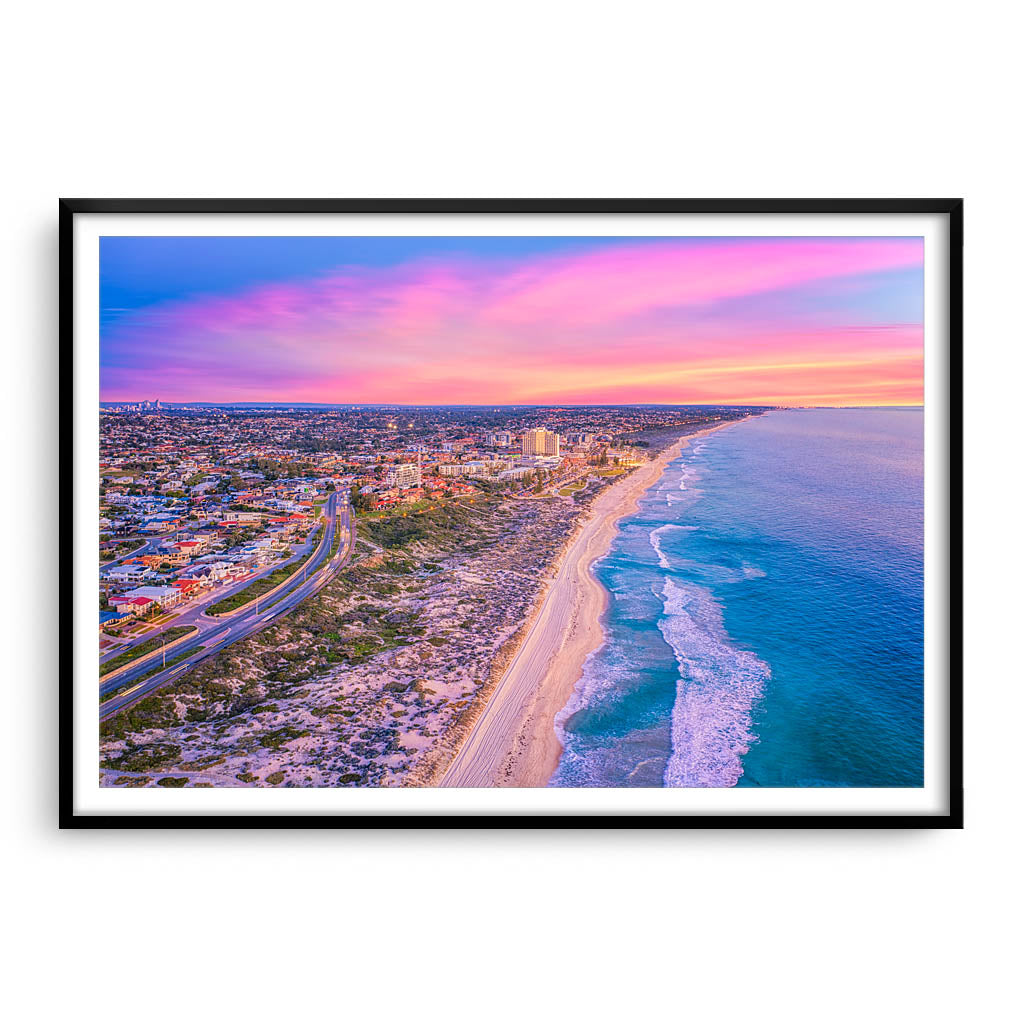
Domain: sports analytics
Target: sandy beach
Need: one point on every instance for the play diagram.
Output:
(513, 742)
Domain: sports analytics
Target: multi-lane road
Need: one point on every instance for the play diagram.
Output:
(216, 633)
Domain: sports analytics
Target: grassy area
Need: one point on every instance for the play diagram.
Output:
(571, 488)
(412, 508)
(152, 672)
(141, 650)
(258, 587)
(611, 472)
(116, 551)
(116, 693)
(437, 523)
(335, 544)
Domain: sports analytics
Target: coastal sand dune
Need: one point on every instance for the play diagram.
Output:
(513, 742)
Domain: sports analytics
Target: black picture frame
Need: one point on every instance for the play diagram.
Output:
(951, 208)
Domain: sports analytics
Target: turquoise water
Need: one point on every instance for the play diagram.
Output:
(766, 619)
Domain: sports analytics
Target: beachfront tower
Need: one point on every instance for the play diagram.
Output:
(540, 442)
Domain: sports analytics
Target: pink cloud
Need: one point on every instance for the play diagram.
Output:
(634, 279)
(615, 323)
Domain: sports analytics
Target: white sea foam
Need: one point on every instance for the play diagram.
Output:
(718, 686)
(715, 573)
(655, 537)
(591, 684)
(669, 487)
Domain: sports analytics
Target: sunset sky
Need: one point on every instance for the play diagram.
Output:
(508, 320)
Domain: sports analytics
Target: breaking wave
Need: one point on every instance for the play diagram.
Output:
(592, 684)
(655, 536)
(669, 491)
(718, 686)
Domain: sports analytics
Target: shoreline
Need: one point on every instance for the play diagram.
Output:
(513, 740)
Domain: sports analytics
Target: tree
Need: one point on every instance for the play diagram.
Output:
(360, 502)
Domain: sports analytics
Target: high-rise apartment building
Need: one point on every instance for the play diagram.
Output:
(403, 475)
(540, 442)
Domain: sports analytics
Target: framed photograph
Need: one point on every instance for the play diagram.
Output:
(557, 513)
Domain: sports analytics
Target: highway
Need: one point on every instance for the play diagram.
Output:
(217, 633)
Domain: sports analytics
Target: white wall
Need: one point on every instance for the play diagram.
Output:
(531, 99)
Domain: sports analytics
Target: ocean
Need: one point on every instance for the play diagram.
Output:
(766, 617)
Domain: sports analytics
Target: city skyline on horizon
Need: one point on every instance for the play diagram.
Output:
(795, 322)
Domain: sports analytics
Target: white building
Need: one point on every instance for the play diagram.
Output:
(488, 468)
(134, 572)
(404, 475)
(166, 597)
(518, 473)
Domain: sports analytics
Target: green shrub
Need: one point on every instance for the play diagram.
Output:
(144, 757)
(132, 780)
(276, 739)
